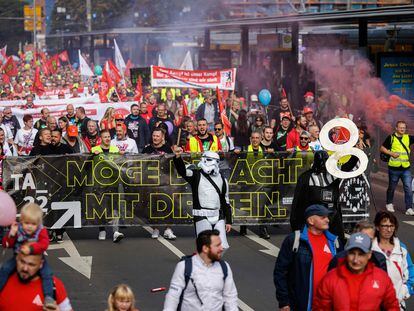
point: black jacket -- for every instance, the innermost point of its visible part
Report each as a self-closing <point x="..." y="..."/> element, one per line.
<point x="138" y="130"/>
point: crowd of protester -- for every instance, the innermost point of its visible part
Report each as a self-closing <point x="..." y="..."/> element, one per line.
<point x="162" y="118"/>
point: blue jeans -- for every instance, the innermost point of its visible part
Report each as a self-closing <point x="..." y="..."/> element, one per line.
<point x="45" y="273"/>
<point x="393" y="178"/>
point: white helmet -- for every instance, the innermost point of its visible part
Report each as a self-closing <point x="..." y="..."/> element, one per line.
<point x="209" y="163"/>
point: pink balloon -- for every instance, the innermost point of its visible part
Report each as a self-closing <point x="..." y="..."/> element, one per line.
<point x="7" y="210"/>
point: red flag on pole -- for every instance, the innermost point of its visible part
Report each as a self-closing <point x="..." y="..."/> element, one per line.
<point x="114" y="72"/>
<point x="64" y="57"/>
<point x="38" y="87"/>
<point x="10" y="67"/>
<point x="185" y="108"/>
<point x="53" y="63"/>
<point x="127" y="73"/>
<point x="138" y="89"/>
<point x="222" y="111"/>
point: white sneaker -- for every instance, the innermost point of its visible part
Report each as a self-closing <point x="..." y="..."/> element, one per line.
<point x="390" y="207"/>
<point x="169" y="234"/>
<point x="155" y="234"/>
<point x="118" y="236"/>
<point x="102" y="235"/>
<point x="409" y="212"/>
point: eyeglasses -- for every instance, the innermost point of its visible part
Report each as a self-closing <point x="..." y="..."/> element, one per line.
<point x="304" y="138"/>
<point x="217" y="129"/>
<point x="259" y="120"/>
<point x="387" y="226"/>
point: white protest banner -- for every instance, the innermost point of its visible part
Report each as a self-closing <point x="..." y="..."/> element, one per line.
<point x="93" y="111"/>
<point x="224" y="79"/>
<point x="40" y="103"/>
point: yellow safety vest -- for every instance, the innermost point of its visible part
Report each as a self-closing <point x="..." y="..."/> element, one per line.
<point x="404" y="159"/>
<point x="112" y="149"/>
<point x="196" y="145"/>
<point x="251" y="157"/>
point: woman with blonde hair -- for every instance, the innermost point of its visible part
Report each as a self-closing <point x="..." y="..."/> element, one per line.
<point x="108" y="120"/>
<point x="121" y="298"/>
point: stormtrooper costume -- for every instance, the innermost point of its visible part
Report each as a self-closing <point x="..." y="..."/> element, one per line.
<point x="211" y="204"/>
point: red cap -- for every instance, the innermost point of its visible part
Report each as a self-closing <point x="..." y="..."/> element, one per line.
<point x="195" y="92"/>
<point x="118" y="116"/>
<point x="307" y="110"/>
<point x="72" y="131"/>
<point x="308" y="94"/>
<point x="285" y="115"/>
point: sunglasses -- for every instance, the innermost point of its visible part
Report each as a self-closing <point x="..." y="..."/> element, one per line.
<point x="304" y="138"/>
<point x="217" y="129"/>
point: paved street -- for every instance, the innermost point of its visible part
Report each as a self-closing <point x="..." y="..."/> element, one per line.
<point x="144" y="263"/>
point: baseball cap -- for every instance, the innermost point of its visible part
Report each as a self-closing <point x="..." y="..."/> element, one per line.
<point x="307" y="110"/>
<point x="316" y="209"/>
<point x="254" y="98"/>
<point x="286" y="115"/>
<point x="72" y="131"/>
<point x="359" y="240"/>
<point x="118" y="116"/>
<point x="309" y="94"/>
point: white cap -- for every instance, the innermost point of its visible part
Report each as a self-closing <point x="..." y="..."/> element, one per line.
<point x="253" y="98"/>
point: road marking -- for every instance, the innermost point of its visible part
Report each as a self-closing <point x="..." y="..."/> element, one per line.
<point x="409" y="222"/>
<point x="82" y="264"/>
<point x="242" y="305"/>
<point x="271" y="249"/>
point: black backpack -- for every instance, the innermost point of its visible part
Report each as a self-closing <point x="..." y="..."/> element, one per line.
<point x="188" y="269"/>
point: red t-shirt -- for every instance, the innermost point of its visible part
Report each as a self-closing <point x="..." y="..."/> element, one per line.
<point x="321" y="257"/>
<point x="17" y="296"/>
<point x="292" y="139"/>
<point x="354" y="282"/>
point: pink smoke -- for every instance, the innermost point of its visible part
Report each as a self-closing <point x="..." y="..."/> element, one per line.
<point x="356" y="81"/>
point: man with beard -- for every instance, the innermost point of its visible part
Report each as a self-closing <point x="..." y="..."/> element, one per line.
<point x="162" y="116"/>
<point x="293" y="137"/>
<point x="281" y="132"/>
<point x="23" y="290"/>
<point x="137" y="128"/>
<point x="317" y="186"/>
<point x="203" y="141"/>
<point x="10" y="121"/>
<point x="123" y="142"/>
<point x="282" y="110"/>
<point x="106" y="147"/>
<point x="41" y="123"/>
<point x="203" y="281"/>
<point x="91" y="138"/>
<point x="56" y="145"/>
<point x="82" y="121"/>
<point x="74" y="142"/>
<point x="158" y="146"/>
<point x="70" y="114"/>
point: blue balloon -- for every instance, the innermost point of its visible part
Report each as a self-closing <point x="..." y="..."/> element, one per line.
<point x="75" y="65"/>
<point x="98" y="70"/>
<point x="265" y="97"/>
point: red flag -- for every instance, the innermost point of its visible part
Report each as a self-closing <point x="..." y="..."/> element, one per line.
<point x="103" y="92"/>
<point x="38" y="87"/>
<point x="138" y="89"/>
<point x="6" y="79"/>
<point x="10" y="67"/>
<point x="127" y="73"/>
<point x="185" y="108"/>
<point x="283" y="93"/>
<point x="64" y="57"/>
<point x="53" y="63"/>
<point x="222" y="111"/>
<point x="3" y="51"/>
<point x="106" y="76"/>
<point x="114" y="72"/>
